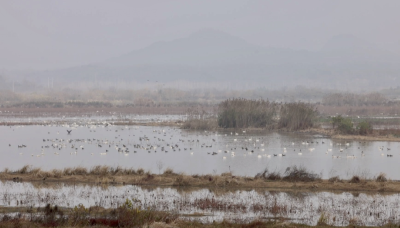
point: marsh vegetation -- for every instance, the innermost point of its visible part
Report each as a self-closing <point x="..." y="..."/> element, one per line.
<point x="69" y="205"/>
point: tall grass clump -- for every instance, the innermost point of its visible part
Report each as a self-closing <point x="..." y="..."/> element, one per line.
<point x="24" y="170"/>
<point x="297" y="116"/>
<point x="300" y="173"/>
<point x="244" y="113"/>
<point x="381" y="178"/>
<point x="291" y="174"/>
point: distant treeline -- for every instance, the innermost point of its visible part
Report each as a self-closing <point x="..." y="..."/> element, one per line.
<point x="352" y="99"/>
<point x="159" y="96"/>
<point x="150" y="96"/>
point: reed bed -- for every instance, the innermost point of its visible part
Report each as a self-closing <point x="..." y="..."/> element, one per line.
<point x="297" y="116"/>
<point x="244" y="113"/>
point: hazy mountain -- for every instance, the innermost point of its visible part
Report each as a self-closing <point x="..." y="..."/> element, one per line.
<point x="214" y="57"/>
<point x="347" y="48"/>
<point x="206" y="48"/>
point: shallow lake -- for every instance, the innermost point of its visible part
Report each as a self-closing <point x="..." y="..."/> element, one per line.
<point x="237" y="205"/>
<point x="191" y="152"/>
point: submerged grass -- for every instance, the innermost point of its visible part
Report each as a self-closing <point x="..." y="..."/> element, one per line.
<point x="126" y="215"/>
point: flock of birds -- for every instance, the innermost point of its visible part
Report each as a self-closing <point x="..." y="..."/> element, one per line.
<point x="165" y="140"/>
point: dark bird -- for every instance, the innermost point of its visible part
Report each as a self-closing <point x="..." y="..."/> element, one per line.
<point x="69" y="131"/>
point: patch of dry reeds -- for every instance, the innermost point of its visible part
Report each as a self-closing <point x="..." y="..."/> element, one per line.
<point x="300" y="173"/>
<point x="75" y="171"/>
<point x="381" y="178"/>
<point x="100" y="170"/>
<point x="292" y="174"/>
<point x="334" y="179"/>
<point x="25" y="169"/>
<point x="355" y="179"/>
<point x="297" y="116"/>
<point x="244" y="113"/>
<point x="169" y="171"/>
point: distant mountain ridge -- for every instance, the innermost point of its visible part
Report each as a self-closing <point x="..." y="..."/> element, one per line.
<point x="214" y="56"/>
<point x="206" y="47"/>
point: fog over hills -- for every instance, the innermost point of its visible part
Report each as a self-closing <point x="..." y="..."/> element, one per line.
<point x="217" y="59"/>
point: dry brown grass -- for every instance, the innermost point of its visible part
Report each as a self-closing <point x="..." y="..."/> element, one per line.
<point x="100" y="170"/>
<point x="120" y="176"/>
<point x="182" y="180"/>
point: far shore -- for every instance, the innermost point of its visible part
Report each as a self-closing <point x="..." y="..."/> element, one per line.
<point x="328" y="133"/>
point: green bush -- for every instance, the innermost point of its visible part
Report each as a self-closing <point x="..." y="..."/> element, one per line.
<point x="343" y="125"/>
<point x="336" y="120"/>
<point x="364" y="128"/>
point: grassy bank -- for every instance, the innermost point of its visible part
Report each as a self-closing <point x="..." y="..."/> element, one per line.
<point x="293" y="178"/>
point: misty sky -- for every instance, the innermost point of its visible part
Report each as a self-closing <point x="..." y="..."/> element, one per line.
<point x="48" y="34"/>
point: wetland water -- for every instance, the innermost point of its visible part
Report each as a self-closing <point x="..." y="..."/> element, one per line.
<point x="243" y="153"/>
<point x="240" y="205"/>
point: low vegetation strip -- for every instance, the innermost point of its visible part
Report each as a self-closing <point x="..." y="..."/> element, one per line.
<point x="294" y="177"/>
